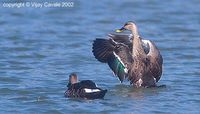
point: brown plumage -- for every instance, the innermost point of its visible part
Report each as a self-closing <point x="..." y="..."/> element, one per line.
<point x="137" y="60"/>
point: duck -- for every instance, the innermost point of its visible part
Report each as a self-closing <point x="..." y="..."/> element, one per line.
<point x="130" y="56"/>
<point x="85" y="89"/>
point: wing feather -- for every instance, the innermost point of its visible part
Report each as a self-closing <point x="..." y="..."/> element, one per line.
<point x="122" y="38"/>
<point x="102" y="49"/>
<point x="117" y="56"/>
<point x="156" y="61"/>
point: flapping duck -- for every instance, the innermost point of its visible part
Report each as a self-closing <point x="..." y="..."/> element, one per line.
<point x="130" y="57"/>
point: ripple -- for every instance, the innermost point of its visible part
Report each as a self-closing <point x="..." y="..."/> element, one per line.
<point x="9" y="80"/>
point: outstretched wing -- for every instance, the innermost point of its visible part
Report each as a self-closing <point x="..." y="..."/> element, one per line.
<point x="115" y="54"/>
<point x="122" y="38"/>
<point x="156" y="61"/>
<point x="102" y="49"/>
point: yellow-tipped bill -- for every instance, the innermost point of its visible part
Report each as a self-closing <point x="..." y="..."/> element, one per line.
<point x="118" y="30"/>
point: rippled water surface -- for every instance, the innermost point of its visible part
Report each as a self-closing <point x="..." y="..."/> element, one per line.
<point x="40" y="47"/>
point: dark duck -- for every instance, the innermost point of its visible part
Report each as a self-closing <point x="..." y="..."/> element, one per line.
<point x="86" y="89"/>
<point x="130" y="57"/>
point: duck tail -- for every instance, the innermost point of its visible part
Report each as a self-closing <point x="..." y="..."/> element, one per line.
<point x="102" y="49"/>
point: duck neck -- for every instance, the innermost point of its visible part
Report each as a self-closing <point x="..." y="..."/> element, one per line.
<point x="73" y="79"/>
<point x="137" y="43"/>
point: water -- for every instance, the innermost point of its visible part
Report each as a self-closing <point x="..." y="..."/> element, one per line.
<point x="41" y="47"/>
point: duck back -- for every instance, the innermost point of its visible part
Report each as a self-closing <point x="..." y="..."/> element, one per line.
<point x="85" y="89"/>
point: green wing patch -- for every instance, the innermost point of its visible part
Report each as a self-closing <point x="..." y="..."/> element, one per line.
<point x="117" y="67"/>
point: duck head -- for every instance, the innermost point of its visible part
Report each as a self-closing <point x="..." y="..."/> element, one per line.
<point x="73" y="78"/>
<point x="127" y="26"/>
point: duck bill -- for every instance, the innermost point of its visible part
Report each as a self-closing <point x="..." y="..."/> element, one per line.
<point x="120" y="30"/>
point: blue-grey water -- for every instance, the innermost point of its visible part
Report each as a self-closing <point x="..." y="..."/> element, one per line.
<point x="40" y="47"/>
